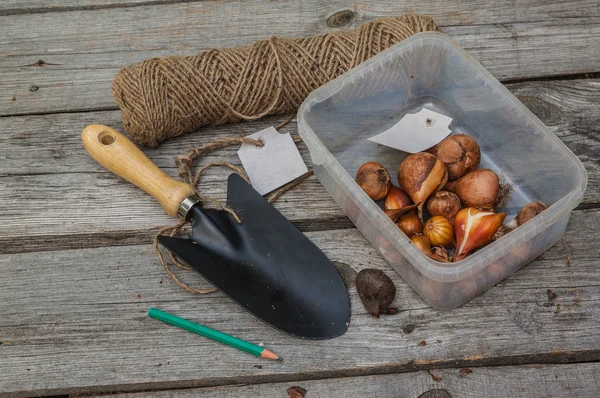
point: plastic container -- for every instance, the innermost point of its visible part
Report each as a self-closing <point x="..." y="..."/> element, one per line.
<point x="430" y="70"/>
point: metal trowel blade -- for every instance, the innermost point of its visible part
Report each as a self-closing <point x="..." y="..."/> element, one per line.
<point x="266" y="265"/>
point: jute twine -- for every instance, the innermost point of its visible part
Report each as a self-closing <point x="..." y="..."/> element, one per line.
<point x="185" y="166"/>
<point x="166" y="97"/>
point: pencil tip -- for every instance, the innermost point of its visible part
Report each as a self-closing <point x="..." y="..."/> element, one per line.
<point x="280" y="359"/>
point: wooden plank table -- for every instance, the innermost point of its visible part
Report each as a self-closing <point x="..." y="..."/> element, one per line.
<point x="78" y="272"/>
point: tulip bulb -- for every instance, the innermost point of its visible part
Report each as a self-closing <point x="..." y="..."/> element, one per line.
<point x="475" y="228"/>
<point x="444" y="203"/>
<point x="374" y="179"/>
<point x="420" y="175"/>
<point x="411" y="224"/>
<point x="439" y="231"/>
<point x="477" y="189"/>
<point x="395" y="214"/>
<point x="527" y="213"/>
<point x="396" y="199"/>
<point x="460" y="153"/>
<point x="425" y="246"/>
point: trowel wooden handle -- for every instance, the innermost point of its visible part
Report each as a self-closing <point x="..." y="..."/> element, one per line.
<point x="116" y="153"/>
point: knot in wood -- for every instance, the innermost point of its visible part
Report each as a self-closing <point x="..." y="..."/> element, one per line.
<point x="408" y="328"/>
<point x="548" y="113"/>
<point x="340" y="18"/>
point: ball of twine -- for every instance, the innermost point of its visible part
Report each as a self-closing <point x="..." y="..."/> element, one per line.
<point x="161" y="98"/>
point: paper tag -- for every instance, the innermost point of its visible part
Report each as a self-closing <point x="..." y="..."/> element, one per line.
<point x="274" y="164"/>
<point x="416" y="132"/>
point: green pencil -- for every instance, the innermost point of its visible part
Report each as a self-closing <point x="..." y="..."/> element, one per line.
<point x="212" y="334"/>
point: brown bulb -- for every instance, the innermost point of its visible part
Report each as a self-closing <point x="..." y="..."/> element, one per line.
<point x="445" y="204"/>
<point x="425" y="246"/>
<point x="375" y="289"/>
<point x="410" y="224"/>
<point x="529" y="211"/>
<point x="396" y="199"/>
<point x="460" y="153"/>
<point x="420" y="175"/>
<point x="374" y="179"/>
<point x="477" y="189"/>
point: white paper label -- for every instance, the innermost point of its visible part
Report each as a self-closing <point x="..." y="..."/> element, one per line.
<point x="274" y="164"/>
<point x="416" y="132"/>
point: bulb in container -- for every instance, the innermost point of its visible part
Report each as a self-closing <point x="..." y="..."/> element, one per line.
<point x="477" y="189"/>
<point x="460" y="153"/>
<point x="475" y="228"/>
<point x="374" y="179"/>
<point x="396" y="199"/>
<point x="439" y="231"/>
<point x="420" y="175"/>
<point x="445" y="204"/>
<point x="410" y="224"/>
<point x="527" y="213"/>
<point x="424" y="245"/>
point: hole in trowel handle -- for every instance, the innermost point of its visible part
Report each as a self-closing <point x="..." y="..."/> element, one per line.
<point x="106" y="138"/>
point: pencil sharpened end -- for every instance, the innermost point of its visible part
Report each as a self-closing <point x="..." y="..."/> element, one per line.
<point x="280" y="359"/>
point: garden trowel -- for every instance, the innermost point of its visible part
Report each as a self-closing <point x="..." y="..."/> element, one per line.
<point x="264" y="263"/>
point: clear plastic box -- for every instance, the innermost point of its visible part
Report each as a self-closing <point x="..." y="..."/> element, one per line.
<point x="430" y="70"/>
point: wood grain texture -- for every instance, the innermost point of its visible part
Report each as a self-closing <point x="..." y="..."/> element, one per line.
<point x="475" y="12"/>
<point x="548" y="381"/>
<point x="42" y="159"/>
<point x="75" y="321"/>
<point x="81" y="56"/>
<point x="18" y="7"/>
<point x="110" y="209"/>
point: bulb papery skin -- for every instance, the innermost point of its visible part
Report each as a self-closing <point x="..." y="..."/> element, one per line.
<point x="460" y="153"/>
<point x="439" y="231"/>
<point x="374" y="179"/>
<point x="529" y="211"/>
<point x="479" y="189"/>
<point x="425" y="246"/>
<point x="420" y="175"/>
<point x="475" y="228"/>
<point x="444" y="203"/>
<point x="410" y="224"/>
<point x="396" y="199"/>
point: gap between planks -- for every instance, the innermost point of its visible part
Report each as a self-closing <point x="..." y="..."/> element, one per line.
<point x="92" y="7"/>
<point x="550" y="358"/>
<point x="506" y="82"/>
<point x="543" y="380"/>
<point x="504" y="39"/>
<point x="62" y="325"/>
<point x="567" y="107"/>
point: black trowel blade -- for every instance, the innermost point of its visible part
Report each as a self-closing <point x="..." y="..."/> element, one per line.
<point x="266" y="265"/>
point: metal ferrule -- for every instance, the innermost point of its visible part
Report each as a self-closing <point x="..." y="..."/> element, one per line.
<point x="186" y="206"/>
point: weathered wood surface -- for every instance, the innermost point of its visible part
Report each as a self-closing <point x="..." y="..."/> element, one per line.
<point x="81" y="315"/>
<point x="81" y="50"/>
<point x="42" y="158"/>
<point x="74" y="320"/>
<point x="477" y="12"/>
<point x="548" y="381"/>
